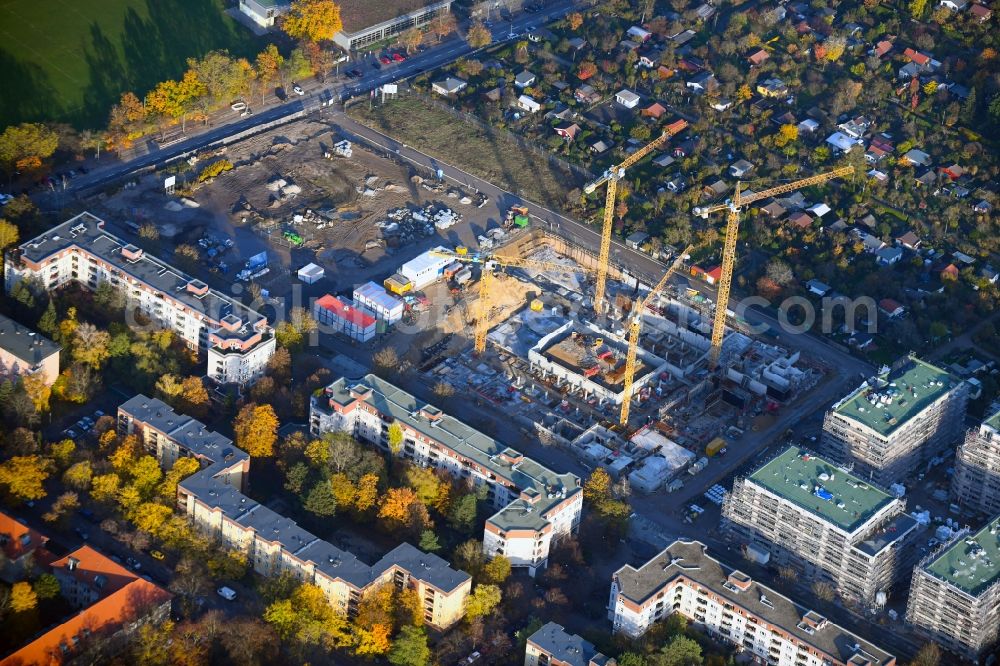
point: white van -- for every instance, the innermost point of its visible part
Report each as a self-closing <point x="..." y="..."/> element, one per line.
<point x="227" y="593"/>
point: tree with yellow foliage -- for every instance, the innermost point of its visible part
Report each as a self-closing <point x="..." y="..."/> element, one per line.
<point x="22" y="597"/>
<point x="312" y="20"/>
<point x="24" y="477"/>
<point x="787" y="133"/>
<point x="343" y="490"/>
<point x="37" y="390"/>
<point x="395" y="437"/>
<point x="307" y="617"/>
<point x="104" y="487"/>
<point x="256" y="429"/>
<point x="367" y="493"/>
<point x="483" y="601"/>
<point x="24" y="146"/>
<point x="373" y="642"/>
<point x="478" y="35"/>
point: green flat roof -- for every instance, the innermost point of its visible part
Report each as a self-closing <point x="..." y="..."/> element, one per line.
<point x="798" y="476"/>
<point x="973" y="562"/>
<point x="899" y="396"/>
<point x="994" y="421"/>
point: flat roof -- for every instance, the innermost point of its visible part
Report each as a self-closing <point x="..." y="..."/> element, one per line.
<point x="690" y="560"/>
<point x="359" y="15"/>
<point x="377" y="294"/>
<point x="86" y="232"/>
<point x="897" y="396"/>
<point x="972" y="562"/>
<point x="994" y="422"/>
<point x="821" y="488"/>
<point x="24" y="343"/>
<point x="550" y="487"/>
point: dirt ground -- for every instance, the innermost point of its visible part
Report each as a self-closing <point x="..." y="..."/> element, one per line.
<point x="239" y="204"/>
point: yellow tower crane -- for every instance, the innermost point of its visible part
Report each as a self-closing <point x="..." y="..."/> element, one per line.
<point x="635" y="327"/>
<point x="735" y="208"/>
<point x="611" y="177"/>
<point x="488" y="263"/>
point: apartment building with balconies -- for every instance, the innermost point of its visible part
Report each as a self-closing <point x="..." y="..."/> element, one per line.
<point x="214" y="500"/>
<point x="829" y="525"/>
<point x="25" y="352"/>
<point x="554" y="646"/>
<point x="236" y="340"/>
<point x="731" y="607"/>
<point x="896" y="422"/>
<point x="955" y="593"/>
<point x="536" y="507"/>
<point x="975" y="486"/>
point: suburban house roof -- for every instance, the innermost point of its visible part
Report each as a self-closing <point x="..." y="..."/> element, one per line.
<point x="916" y="56"/>
<point x="758" y="57"/>
<point x="450" y="84"/>
<point x="627" y="96"/>
<point x="908" y="239"/>
<point x="882" y="48"/>
<point x="890" y="306"/>
<point x="981" y="12"/>
<point x="654" y="110"/>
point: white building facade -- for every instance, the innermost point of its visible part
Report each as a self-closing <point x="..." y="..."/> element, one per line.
<point x="536" y="507"/>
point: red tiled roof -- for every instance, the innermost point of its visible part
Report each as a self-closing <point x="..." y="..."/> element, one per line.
<point x="128" y="598"/>
<point x="889" y="305"/>
<point x="715" y="273"/>
<point x="759" y="57"/>
<point x="346" y="312"/>
<point x="12" y="531"/>
<point x="655" y="110"/>
<point x="916" y="56"/>
<point x="883" y="47"/>
<point x="982" y="12"/>
<point x="801" y="220"/>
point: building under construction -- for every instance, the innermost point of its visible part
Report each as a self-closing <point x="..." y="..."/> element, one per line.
<point x="590" y="360"/>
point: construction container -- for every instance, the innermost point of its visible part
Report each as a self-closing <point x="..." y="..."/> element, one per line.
<point x="397" y="284"/>
<point x="521" y="221"/>
<point x="451" y="269"/>
<point x="463" y="275"/>
<point x="713" y="447"/>
<point x="537" y="305"/>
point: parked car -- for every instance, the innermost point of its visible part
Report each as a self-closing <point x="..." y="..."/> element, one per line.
<point x="398" y="57"/>
<point x="384" y="59"/>
<point x="70" y="433"/>
<point x="297" y="89"/>
<point x="98" y="414"/>
<point x="376" y="65"/>
<point x="238" y="106"/>
<point x="227" y="593"/>
<point x="133" y="563"/>
<point x="157" y="554"/>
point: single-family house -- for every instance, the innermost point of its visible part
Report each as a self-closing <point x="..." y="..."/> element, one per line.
<point x="740" y="168"/>
<point x="528" y="103"/>
<point x="683" y="37"/>
<point x="654" y="110"/>
<point x="449" y="86"/>
<point x="855" y="128"/>
<point x="664" y="160"/>
<point x="586" y="94"/>
<point x="888" y="256"/>
<point x="819" y="210"/>
<point x="649" y="58"/>
<point x="989" y="274"/>
<point x="758" y="58"/>
<point x="910" y="70"/>
<point x="954" y="171"/>
<point x="525" y="79"/>
<point x="838" y="226"/>
<point x="773" y="210"/>
<point x="540" y="35"/>
<point x="684" y="148"/>
<point x="841" y="142"/>
<point x="704" y="11"/>
<point x="627" y="98"/>
<point x="818" y="288"/>
<point x="875" y="154"/>
<point x="577" y="43"/>
<point x="892" y="308"/>
<point x="954" y="5"/>
<point x="982" y="13"/>
<point x="882" y="48"/>
<point x="711" y="276"/>
<point x="916" y="57"/>
<point x="722" y="104"/>
<point x="664" y="72"/>
<point x="677" y="184"/>
<point x="808" y="126"/>
<point x="963" y="258"/>
<point x="600" y="146"/>
<point x="916" y="157"/>
<point x="908" y="240"/>
<point x="636" y="239"/>
<point x="800" y="220"/>
<point x="871" y="243"/>
<point x="773" y="87"/>
<point x="716" y="189"/>
<point x="639" y="34"/>
<point x="861" y="339"/>
<point x="982" y="207"/>
<point x="880" y="176"/>
<point x="568" y="132"/>
<point x="950" y="272"/>
<point x="702" y="82"/>
<point x="927" y="178"/>
<point x="494" y="95"/>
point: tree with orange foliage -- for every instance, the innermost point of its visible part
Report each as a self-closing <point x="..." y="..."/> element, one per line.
<point x="575" y="20"/>
<point x="396" y="506"/>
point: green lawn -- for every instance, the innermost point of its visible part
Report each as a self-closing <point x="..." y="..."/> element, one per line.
<point x="70" y="60"/>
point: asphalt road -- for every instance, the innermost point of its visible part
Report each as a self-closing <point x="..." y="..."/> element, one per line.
<point x="229" y="124"/>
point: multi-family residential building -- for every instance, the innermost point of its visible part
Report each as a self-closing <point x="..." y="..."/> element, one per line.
<point x="237" y="341"/>
<point x="955" y="593"/>
<point x="24" y="352"/>
<point x="976" y="482"/>
<point x="536" y="506"/>
<point x="212" y="497"/>
<point x="732" y="607"/>
<point x="828" y="524"/>
<point x="113" y="603"/>
<point x="896" y="422"/>
<point x="18" y="543"/>
<point x="553" y="646"/>
<point x="366" y="22"/>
